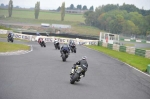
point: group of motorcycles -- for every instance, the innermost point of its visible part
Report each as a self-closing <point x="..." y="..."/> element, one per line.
<point x="64" y="52"/>
<point x="75" y="77"/>
<point x="79" y="69"/>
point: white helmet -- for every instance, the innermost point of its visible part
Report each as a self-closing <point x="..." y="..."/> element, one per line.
<point x="84" y="57"/>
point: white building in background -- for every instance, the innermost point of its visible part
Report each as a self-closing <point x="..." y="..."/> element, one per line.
<point x="109" y="38"/>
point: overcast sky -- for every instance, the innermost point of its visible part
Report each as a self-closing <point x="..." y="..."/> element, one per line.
<point x="54" y="4"/>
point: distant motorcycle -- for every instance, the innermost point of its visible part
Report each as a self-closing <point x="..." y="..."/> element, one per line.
<point x="41" y="42"/>
<point x="64" y="55"/>
<point x="76" y="76"/>
<point x="57" y="46"/>
<point x="10" y="38"/>
<point x="73" y="48"/>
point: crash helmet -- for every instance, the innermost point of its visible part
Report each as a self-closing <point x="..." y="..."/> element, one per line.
<point x="84" y="58"/>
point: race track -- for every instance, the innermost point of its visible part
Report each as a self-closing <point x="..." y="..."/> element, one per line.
<point x="41" y="74"/>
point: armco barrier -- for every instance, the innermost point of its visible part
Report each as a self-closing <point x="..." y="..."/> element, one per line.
<point x="69" y="35"/>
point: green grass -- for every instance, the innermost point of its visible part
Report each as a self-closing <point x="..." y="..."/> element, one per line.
<point x="27" y="16"/>
<point x="8" y="47"/>
<point x="133" y="60"/>
<point x="44" y="15"/>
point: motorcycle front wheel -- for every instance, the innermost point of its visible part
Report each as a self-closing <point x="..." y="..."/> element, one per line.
<point x="74" y="78"/>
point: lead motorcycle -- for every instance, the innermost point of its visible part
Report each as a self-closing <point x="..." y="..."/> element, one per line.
<point x="56" y="44"/>
<point x="76" y="76"/>
<point x="64" y="55"/>
<point x="41" y="42"/>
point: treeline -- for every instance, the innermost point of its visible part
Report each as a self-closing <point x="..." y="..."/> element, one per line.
<point x="6" y="6"/>
<point x="78" y="7"/>
<point x="126" y="19"/>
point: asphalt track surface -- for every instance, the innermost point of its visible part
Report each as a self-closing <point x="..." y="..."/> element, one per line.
<point x="41" y="74"/>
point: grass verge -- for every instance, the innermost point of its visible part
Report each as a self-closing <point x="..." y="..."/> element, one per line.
<point x="133" y="60"/>
<point x="9" y="47"/>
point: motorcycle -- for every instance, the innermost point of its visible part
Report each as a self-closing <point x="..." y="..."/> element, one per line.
<point x="57" y="46"/>
<point x="42" y="43"/>
<point x="73" y="48"/>
<point x="64" y="55"/>
<point x="10" y="38"/>
<point x="76" y="76"/>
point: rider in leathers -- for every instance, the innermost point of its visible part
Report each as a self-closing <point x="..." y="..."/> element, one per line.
<point x="66" y="47"/>
<point x="80" y="63"/>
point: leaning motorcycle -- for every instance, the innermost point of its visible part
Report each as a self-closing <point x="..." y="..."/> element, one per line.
<point x="64" y="55"/>
<point x="41" y="42"/>
<point x="57" y="46"/>
<point x="76" y="76"/>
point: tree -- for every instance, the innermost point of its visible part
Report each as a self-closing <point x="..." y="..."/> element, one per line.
<point x="129" y="8"/>
<point x="63" y="11"/>
<point x="71" y="6"/>
<point x="2" y="5"/>
<point x="10" y="7"/>
<point x="37" y="10"/>
<point x="58" y="9"/>
<point x="84" y="7"/>
<point x="91" y="8"/>
<point x="79" y="7"/>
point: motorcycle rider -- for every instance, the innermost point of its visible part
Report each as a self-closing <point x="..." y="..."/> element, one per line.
<point x="40" y="40"/>
<point x="66" y="47"/>
<point x="80" y="63"/>
<point x="10" y="34"/>
<point x="55" y="41"/>
<point x="71" y="42"/>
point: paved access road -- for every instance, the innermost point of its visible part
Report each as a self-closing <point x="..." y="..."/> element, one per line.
<point x="41" y="74"/>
